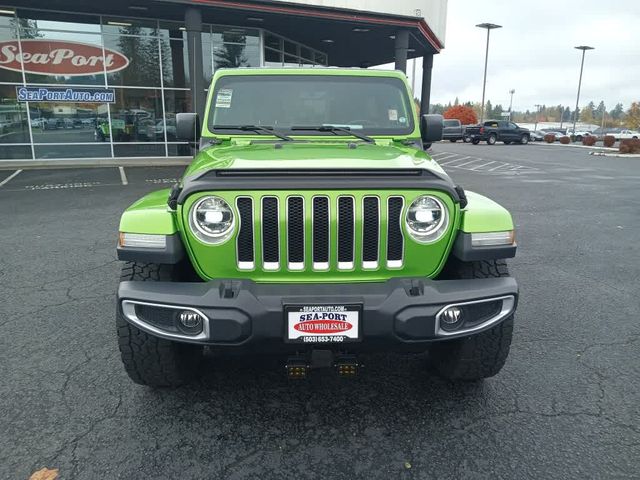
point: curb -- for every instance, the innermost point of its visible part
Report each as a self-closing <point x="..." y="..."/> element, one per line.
<point x="544" y="144"/>
<point x="617" y="155"/>
<point x="96" y="162"/>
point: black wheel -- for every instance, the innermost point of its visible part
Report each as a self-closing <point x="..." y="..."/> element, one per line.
<point x="524" y="139"/>
<point x="149" y="360"/>
<point x="492" y="139"/>
<point x="507" y="142"/>
<point x="481" y="355"/>
<point x="475" y="141"/>
<point x="453" y="140"/>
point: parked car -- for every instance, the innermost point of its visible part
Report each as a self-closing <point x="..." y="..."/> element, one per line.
<point x="158" y="130"/>
<point x="555" y="134"/>
<point x="72" y="123"/>
<point x="38" y="122"/>
<point x="309" y="245"/>
<point x="52" y="124"/>
<point x="536" y="136"/>
<point x="493" y="131"/>
<point x="453" y="130"/>
<point x="578" y="135"/>
<point x="624" y="134"/>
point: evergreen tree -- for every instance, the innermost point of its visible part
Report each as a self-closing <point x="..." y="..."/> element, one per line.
<point x="617" y="112"/>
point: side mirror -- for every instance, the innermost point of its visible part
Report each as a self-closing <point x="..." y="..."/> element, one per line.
<point x="431" y="128"/>
<point x="188" y="127"/>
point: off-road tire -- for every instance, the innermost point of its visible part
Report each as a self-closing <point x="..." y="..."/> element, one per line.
<point x="149" y="360"/>
<point x="492" y="139"/>
<point x="481" y="355"/>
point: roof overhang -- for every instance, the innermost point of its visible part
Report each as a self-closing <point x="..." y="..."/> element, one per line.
<point x="358" y="38"/>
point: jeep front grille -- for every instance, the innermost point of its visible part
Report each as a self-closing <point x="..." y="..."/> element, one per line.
<point x="298" y="233"/>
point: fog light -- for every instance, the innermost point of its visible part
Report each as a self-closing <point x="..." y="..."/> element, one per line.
<point x="190" y="319"/>
<point x="190" y="322"/>
<point x="451" y="318"/>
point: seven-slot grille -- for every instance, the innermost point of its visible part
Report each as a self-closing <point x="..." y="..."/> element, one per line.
<point x="298" y="233"/>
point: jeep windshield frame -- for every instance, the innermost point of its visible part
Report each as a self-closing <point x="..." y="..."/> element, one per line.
<point x="359" y="104"/>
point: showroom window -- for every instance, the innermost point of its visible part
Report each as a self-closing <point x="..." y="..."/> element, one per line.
<point x="139" y="65"/>
<point x="279" y="51"/>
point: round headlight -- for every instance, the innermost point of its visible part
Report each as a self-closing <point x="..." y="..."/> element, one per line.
<point x="211" y="220"/>
<point x="427" y="219"/>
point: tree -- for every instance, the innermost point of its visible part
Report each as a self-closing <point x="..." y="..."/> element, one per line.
<point x="436" y="108"/>
<point x="586" y="114"/>
<point x="231" y="53"/>
<point x="466" y="115"/>
<point x="617" y="112"/>
<point x="488" y="109"/>
<point x="632" y="119"/>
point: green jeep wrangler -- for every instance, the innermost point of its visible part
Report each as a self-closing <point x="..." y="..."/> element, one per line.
<point x="313" y="224"/>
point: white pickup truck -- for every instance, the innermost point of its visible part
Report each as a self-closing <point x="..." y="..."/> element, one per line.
<point x="623" y="134"/>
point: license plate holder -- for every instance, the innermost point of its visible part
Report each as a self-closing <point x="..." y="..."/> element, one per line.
<point x="317" y="324"/>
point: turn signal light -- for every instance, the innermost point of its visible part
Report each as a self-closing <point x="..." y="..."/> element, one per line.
<point x="142" y="240"/>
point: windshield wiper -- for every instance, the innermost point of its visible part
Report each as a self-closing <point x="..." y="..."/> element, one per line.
<point x="255" y="128"/>
<point x="336" y="130"/>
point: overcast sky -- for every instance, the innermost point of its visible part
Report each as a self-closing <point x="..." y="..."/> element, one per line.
<point x="533" y="53"/>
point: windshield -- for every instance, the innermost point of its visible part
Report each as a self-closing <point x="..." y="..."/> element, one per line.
<point x="367" y="105"/>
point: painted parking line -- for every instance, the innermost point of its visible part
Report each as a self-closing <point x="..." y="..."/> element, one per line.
<point x="162" y="180"/>
<point x="436" y="155"/>
<point x="62" y="186"/>
<point x="10" y="177"/>
<point x="478" y="167"/>
<point x="454" y="160"/>
<point x="498" y="167"/>
<point x="482" y="165"/>
<point x="123" y="176"/>
<point x="450" y="155"/>
<point x="460" y="165"/>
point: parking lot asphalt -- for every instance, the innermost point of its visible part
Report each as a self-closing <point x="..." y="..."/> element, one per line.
<point x="566" y="405"/>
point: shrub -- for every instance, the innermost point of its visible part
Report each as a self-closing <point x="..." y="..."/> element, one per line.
<point x="609" y="140"/>
<point x="565" y="140"/>
<point x="465" y="114"/>
<point x="549" y="138"/>
<point x="589" y="140"/>
<point x="630" y="145"/>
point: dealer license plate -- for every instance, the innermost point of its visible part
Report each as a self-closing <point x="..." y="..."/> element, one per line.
<point x="317" y="324"/>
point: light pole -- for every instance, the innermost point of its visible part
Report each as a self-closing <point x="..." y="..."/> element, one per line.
<point x="538" y="107"/>
<point x="512" y="91"/>
<point x="584" y="48"/>
<point x="489" y="27"/>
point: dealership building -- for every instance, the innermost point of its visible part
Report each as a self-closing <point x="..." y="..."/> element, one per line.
<point x="104" y="80"/>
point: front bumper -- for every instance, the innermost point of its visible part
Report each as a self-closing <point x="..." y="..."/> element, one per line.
<point x="242" y="314"/>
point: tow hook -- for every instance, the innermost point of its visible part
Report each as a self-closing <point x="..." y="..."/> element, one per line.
<point x="347" y="366"/>
<point x="299" y="366"/>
